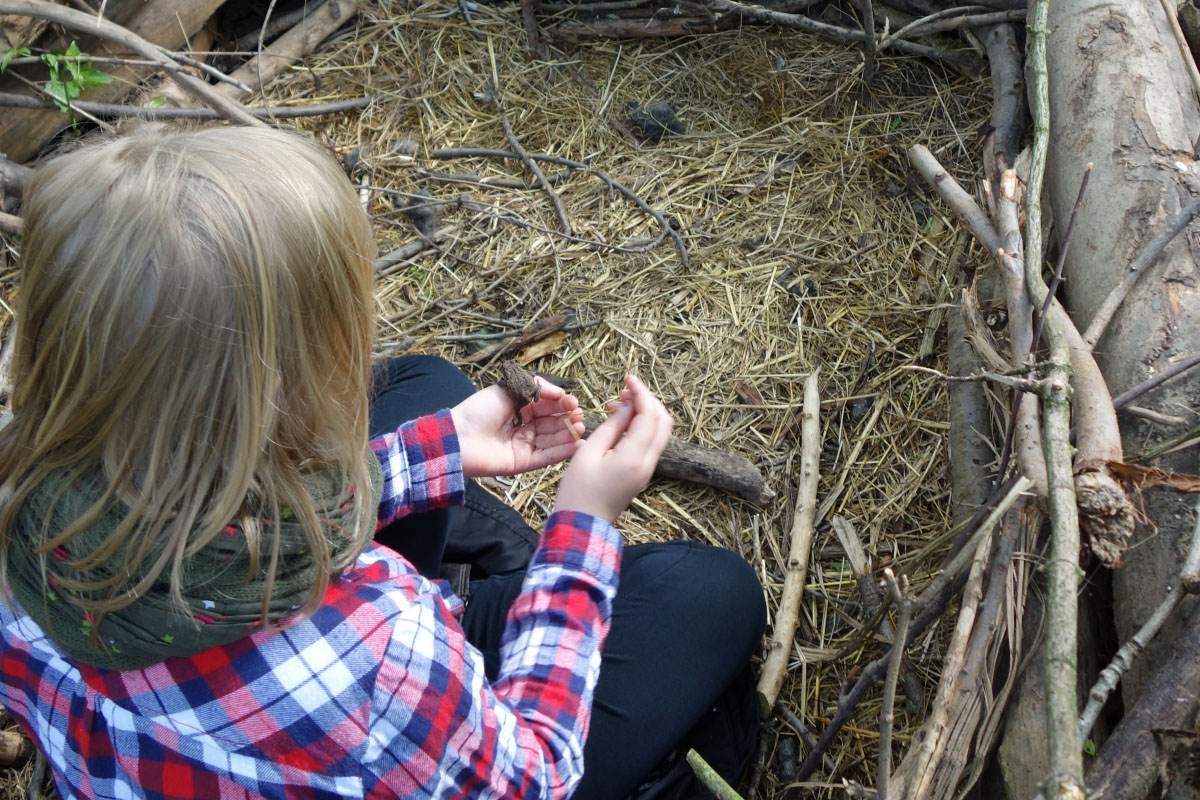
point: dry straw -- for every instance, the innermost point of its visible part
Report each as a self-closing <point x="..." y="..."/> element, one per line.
<point x="809" y="245"/>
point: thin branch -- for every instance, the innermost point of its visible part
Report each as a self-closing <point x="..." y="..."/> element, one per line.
<point x="928" y="607"/>
<point x="85" y="23"/>
<point x="961" y="203"/>
<point x="492" y="95"/>
<point x="711" y="779"/>
<point x="116" y="110"/>
<point x="1065" y="781"/>
<point x="1128" y="396"/>
<point x="1185" y="52"/>
<point x="951" y="19"/>
<point x="1190" y="574"/>
<point x="1144" y="260"/>
<point x="779" y="653"/>
<point x="667" y="229"/>
<point x="824" y="29"/>
<point x="804" y="733"/>
<point x="899" y="592"/>
<point x="1062" y="260"/>
<point x="1013" y="381"/>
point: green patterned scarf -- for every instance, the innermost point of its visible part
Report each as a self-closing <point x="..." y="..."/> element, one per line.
<point x="222" y="599"/>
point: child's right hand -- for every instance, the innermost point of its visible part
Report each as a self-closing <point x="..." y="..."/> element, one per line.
<point x="616" y="462"/>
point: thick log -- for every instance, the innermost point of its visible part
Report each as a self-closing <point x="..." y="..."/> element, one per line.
<point x="1120" y="98"/>
<point x="168" y="23"/>
<point x="694" y="463"/>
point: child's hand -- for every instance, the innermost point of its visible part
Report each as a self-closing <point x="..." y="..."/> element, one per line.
<point x="492" y="445"/>
<point x="616" y="462"/>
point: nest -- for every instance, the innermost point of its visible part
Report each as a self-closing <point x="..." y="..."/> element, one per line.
<point x="807" y="242"/>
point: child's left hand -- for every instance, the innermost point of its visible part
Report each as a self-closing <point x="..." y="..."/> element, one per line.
<point x="491" y="445"/>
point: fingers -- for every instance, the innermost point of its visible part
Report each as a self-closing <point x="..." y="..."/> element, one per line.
<point x="606" y="436"/>
<point x="651" y="426"/>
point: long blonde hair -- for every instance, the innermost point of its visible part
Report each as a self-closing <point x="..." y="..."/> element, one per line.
<point x="195" y="324"/>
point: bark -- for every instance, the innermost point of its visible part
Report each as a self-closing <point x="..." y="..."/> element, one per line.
<point x="695" y="463"/>
<point x="1138" y="752"/>
<point x="168" y="23"/>
<point x="1121" y="99"/>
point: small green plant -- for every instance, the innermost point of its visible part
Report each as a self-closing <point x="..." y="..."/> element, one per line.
<point x="70" y="73"/>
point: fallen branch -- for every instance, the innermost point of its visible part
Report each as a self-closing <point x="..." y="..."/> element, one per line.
<point x="961" y="203"/>
<point x="834" y="32"/>
<point x="872" y="600"/>
<point x="289" y="48"/>
<point x="1065" y="781"/>
<point x="804" y="733"/>
<point x="112" y="110"/>
<point x="1139" y="265"/>
<point x="780" y="650"/>
<point x="1131" y="759"/>
<point x="683" y="461"/>
<point x="929" y="606"/>
<point x="1110" y="676"/>
<point x="15" y="748"/>
<point x="899" y="592"/>
<point x="86" y="23"/>
<point x="951" y="19"/>
<point x="711" y="779"/>
<point x="492" y="95"/>
<point x="533" y="332"/>
<point x="666" y="228"/>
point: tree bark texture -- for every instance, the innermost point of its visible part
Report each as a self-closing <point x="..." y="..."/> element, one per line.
<point x="1120" y="99"/>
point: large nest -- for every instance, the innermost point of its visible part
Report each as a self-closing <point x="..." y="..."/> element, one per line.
<point x="808" y="244"/>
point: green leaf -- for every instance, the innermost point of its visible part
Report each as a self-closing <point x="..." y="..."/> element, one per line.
<point x="1089" y="747"/>
<point x="156" y="102"/>
<point x="91" y="77"/>
<point x="9" y="54"/>
<point x="72" y="51"/>
<point x="51" y="61"/>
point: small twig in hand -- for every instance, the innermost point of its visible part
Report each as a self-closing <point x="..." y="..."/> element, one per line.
<point x="1062" y="258"/>
<point x="492" y="95"/>
<point x="1144" y="260"/>
<point x="899" y="592"/>
<point x="711" y="779"/>
<point x="775" y="667"/>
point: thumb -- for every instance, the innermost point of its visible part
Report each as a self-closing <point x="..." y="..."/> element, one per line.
<point x="609" y="432"/>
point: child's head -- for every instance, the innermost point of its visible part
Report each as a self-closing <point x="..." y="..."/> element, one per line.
<point x="195" y="319"/>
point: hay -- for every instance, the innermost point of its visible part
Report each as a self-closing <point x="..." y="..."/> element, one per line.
<point x="808" y="245"/>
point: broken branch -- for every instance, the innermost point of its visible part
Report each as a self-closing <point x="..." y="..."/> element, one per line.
<point x="775" y="668"/>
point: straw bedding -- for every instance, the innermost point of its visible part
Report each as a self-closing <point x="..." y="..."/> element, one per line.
<point x="807" y="243"/>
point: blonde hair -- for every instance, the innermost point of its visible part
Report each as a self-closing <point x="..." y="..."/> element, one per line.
<point x="195" y="325"/>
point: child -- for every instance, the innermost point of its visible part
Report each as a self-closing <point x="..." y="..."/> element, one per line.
<point x="188" y="496"/>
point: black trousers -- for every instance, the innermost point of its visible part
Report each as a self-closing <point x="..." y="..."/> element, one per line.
<point x="675" y="669"/>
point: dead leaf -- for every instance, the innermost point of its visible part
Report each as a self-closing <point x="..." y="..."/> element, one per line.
<point x="1146" y="477"/>
<point x="543" y="348"/>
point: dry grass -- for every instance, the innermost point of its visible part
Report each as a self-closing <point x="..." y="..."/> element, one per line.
<point x="869" y="271"/>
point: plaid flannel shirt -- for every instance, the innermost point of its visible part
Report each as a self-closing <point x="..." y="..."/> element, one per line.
<point x="378" y="694"/>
